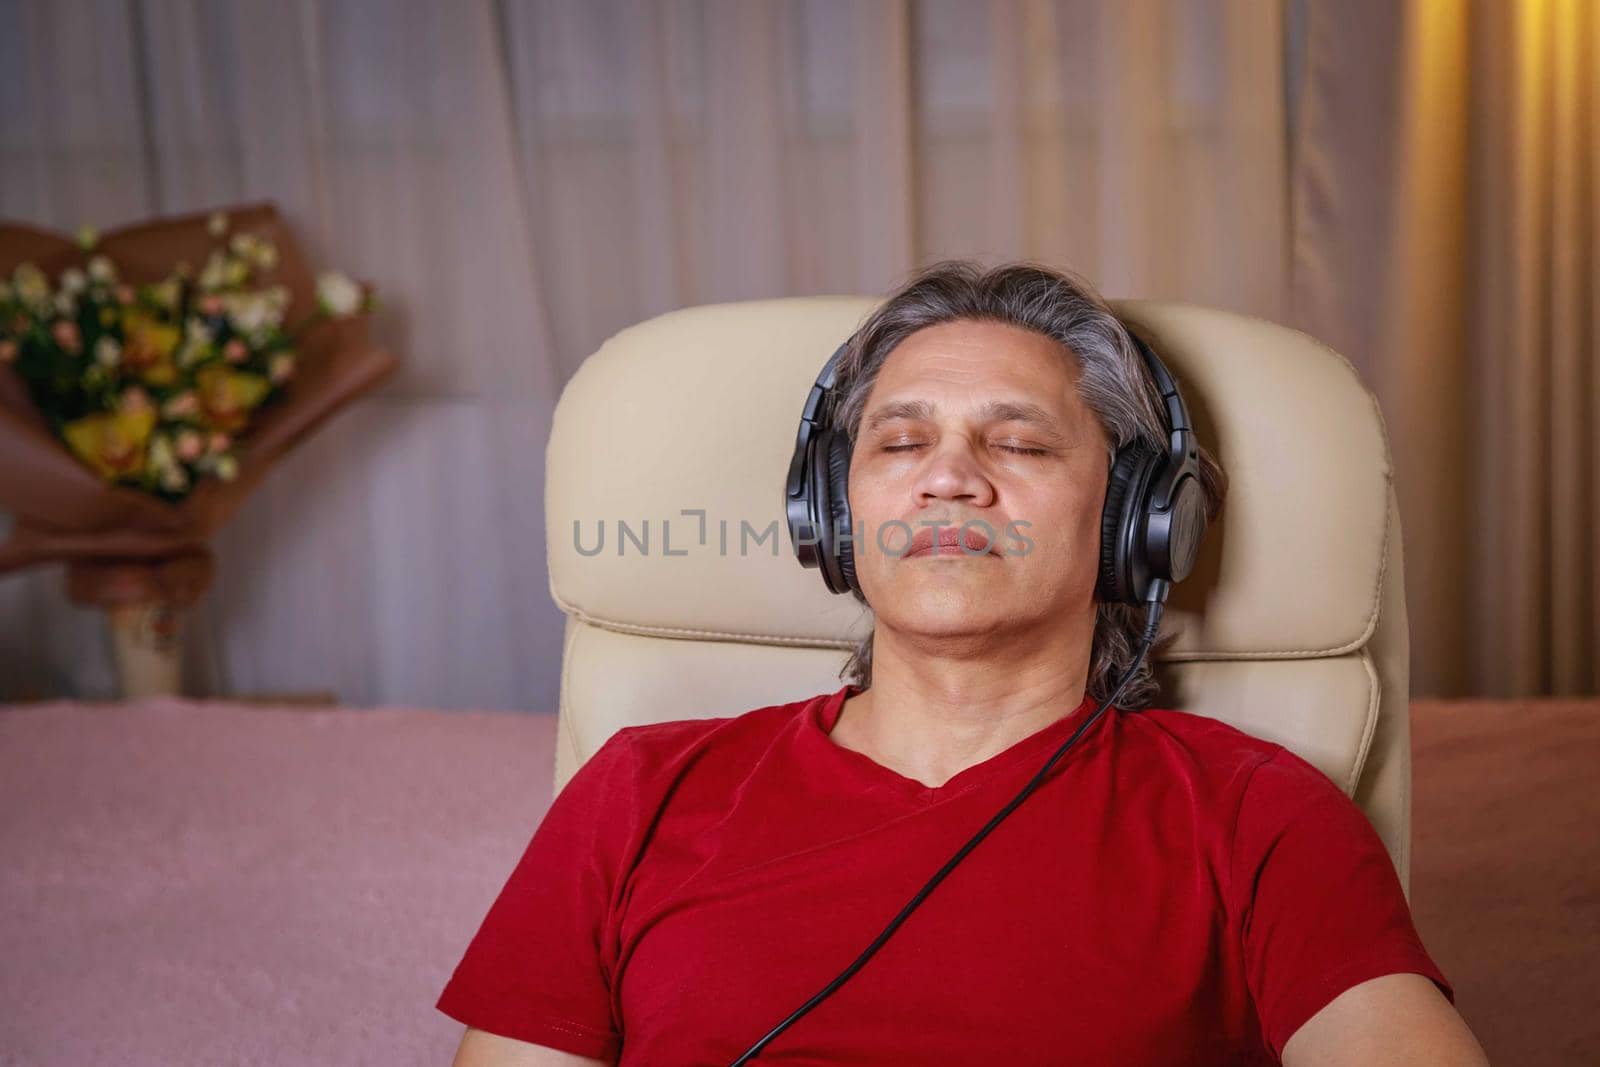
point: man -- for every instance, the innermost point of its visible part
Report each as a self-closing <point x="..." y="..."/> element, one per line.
<point x="1175" y="891"/>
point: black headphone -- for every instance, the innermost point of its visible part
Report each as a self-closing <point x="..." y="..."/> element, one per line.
<point x="1151" y="525"/>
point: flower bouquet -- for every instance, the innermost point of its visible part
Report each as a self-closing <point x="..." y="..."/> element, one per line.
<point x="149" y="379"/>
<point x="150" y="385"/>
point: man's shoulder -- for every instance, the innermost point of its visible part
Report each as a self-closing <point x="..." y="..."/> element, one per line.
<point x="657" y="743"/>
<point x="1197" y="728"/>
<point x="1222" y="748"/>
<point x="1215" y="745"/>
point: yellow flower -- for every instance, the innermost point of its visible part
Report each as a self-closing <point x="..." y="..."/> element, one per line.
<point x="113" y="443"/>
<point x="227" y="395"/>
<point x="166" y="294"/>
<point x="147" y="347"/>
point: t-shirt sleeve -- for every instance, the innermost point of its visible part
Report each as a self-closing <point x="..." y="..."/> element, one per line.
<point x="538" y="969"/>
<point x="1322" y="903"/>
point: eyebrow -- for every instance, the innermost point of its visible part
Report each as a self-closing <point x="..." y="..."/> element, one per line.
<point x="993" y="411"/>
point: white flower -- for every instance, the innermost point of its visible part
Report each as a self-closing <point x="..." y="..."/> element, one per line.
<point x="88" y="236"/>
<point x="32" y="286"/>
<point x="214" y="274"/>
<point x="196" y="332"/>
<point x="73" y="281"/>
<point x="160" y="455"/>
<point x="106" y="351"/>
<point x="101" y="269"/>
<point x="227" y="468"/>
<point x="174" y="479"/>
<point x="251" y="313"/>
<point x="217" y="224"/>
<point x="266" y="255"/>
<point x="338" y="294"/>
<point x="65" y="303"/>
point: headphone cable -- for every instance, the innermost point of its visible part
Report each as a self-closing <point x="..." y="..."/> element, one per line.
<point x="1154" y="604"/>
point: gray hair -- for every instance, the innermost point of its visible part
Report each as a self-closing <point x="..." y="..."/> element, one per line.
<point x="1113" y="381"/>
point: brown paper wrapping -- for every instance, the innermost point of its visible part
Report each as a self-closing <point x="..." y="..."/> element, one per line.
<point x="122" y="545"/>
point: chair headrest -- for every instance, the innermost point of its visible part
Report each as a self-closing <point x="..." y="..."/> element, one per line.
<point x="673" y="440"/>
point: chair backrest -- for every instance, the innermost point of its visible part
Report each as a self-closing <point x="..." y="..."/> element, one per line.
<point x="676" y="436"/>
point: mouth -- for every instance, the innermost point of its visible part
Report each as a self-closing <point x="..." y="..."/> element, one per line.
<point x="953" y="542"/>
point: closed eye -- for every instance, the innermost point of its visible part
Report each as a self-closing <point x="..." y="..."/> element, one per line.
<point x="1003" y="448"/>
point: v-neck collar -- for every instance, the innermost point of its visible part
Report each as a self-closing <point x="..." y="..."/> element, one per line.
<point x="823" y="712"/>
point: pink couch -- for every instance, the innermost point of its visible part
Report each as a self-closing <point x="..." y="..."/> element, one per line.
<point x="192" y="882"/>
<point x="206" y="883"/>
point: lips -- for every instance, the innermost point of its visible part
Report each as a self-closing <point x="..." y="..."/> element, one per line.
<point x="950" y="541"/>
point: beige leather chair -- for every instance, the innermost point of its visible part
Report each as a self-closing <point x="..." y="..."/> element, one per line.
<point x="1292" y="626"/>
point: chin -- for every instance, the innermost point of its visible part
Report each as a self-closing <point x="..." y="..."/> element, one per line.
<point x="957" y="607"/>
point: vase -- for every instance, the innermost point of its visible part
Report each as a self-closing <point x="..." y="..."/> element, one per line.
<point x="146" y="643"/>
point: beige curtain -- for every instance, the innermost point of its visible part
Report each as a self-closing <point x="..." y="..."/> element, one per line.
<point x="1446" y="237"/>
<point x="522" y="179"/>
<point x="679" y="153"/>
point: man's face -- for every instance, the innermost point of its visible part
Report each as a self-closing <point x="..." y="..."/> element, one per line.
<point x="939" y="436"/>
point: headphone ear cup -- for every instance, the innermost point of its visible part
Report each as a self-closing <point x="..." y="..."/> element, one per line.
<point x="1119" y="545"/>
<point x="1186" y="530"/>
<point x="842" y="549"/>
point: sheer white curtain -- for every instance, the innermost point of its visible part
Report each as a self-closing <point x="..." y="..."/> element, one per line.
<point x="521" y="180"/>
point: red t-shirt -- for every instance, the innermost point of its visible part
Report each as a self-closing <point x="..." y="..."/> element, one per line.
<point x="1174" y="891"/>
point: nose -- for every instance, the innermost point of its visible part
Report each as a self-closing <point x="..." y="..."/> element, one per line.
<point x="953" y="473"/>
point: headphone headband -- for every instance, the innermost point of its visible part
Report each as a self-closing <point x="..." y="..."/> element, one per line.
<point x="813" y="420"/>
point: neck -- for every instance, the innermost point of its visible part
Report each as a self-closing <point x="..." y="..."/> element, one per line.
<point x="938" y="707"/>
